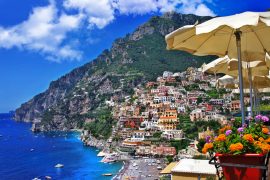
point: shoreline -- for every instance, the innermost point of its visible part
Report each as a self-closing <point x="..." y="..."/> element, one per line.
<point x="122" y="170"/>
<point x="141" y="168"/>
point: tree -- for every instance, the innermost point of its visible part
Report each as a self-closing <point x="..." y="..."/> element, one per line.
<point x="169" y="158"/>
<point x="199" y="100"/>
<point x="157" y="134"/>
<point x="200" y="144"/>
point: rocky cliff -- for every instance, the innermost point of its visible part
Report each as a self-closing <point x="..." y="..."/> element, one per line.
<point x="132" y="60"/>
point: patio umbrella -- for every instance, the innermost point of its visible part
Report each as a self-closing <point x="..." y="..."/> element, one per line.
<point x="229" y="66"/>
<point x="241" y="36"/>
<point x="259" y="82"/>
<point x="227" y="82"/>
<point x="217" y="66"/>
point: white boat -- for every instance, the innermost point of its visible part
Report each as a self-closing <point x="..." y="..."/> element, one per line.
<point x="101" y="154"/>
<point x="159" y="167"/>
<point x="107" y="174"/>
<point x="59" y="166"/>
<point x="48" y="177"/>
<point x="109" y="158"/>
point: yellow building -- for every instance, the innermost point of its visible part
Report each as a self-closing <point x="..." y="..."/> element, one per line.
<point x="168" y="120"/>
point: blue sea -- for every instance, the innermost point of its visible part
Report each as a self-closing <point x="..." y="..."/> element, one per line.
<point x="17" y="161"/>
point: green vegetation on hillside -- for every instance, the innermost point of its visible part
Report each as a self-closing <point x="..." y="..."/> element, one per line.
<point x="102" y="125"/>
<point x="191" y="129"/>
<point x="130" y="62"/>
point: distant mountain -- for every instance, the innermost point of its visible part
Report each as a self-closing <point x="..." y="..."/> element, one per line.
<point x="132" y="60"/>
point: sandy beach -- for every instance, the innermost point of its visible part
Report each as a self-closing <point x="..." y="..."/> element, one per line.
<point x="140" y="169"/>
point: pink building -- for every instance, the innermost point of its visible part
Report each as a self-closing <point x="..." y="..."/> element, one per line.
<point x="163" y="150"/>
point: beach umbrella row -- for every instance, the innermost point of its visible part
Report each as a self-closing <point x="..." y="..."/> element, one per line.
<point x="229" y="67"/>
<point x="258" y="82"/>
<point x="244" y="37"/>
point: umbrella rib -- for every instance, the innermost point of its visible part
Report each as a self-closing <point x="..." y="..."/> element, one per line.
<point x="257" y="38"/>
<point x="184" y="40"/>
<point x="229" y="42"/>
<point x="206" y="40"/>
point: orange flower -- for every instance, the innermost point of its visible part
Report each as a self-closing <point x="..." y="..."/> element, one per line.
<point x="264" y="147"/>
<point x="222" y="130"/>
<point x="206" y="147"/>
<point x="221" y="137"/>
<point x="204" y="150"/>
<point x="267" y="140"/>
<point x="257" y="143"/>
<point x="236" y="147"/>
<point x="265" y="130"/>
<point x="248" y="137"/>
<point x="261" y="139"/>
<point x="209" y="145"/>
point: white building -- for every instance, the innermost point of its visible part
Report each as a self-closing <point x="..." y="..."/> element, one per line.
<point x="139" y="135"/>
<point x="167" y="74"/>
<point x="172" y="134"/>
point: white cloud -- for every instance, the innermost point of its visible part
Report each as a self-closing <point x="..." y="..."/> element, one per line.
<point x="136" y="6"/>
<point x="100" y="13"/>
<point x="44" y="31"/>
<point x="196" y="7"/>
<point x="203" y="10"/>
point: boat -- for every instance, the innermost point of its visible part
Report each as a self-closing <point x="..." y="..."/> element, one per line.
<point x="36" y="178"/>
<point x="109" y="158"/>
<point x="48" y="177"/>
<point x="107" y="174"/>
<point x="32" y="150"/>
<point x="159" y="167"/>
<point x="101" y="154"/>
<point x="59" y="166"/>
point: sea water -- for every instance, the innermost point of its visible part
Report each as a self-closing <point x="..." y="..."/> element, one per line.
<point x="26" y="155"/>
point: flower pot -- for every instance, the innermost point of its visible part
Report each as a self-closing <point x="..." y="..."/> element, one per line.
<point x="242" y="173"/>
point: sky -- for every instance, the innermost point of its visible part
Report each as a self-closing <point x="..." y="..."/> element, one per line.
<point x="41" y="40"/>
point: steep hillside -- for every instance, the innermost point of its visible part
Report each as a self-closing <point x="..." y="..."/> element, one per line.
<point x="132" y="60"/>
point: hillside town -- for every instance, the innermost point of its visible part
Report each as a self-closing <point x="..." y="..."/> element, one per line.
<point x="166" y="119"/>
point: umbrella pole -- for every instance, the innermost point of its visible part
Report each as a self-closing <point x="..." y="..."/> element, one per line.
<point x="250" y="92"/>
<point x="217" y="86"/>
<point x="254" y="102"/>
<point x="238" y="44"/>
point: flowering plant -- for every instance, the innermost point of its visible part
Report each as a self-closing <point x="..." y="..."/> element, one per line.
<point x="252" y="138"/>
